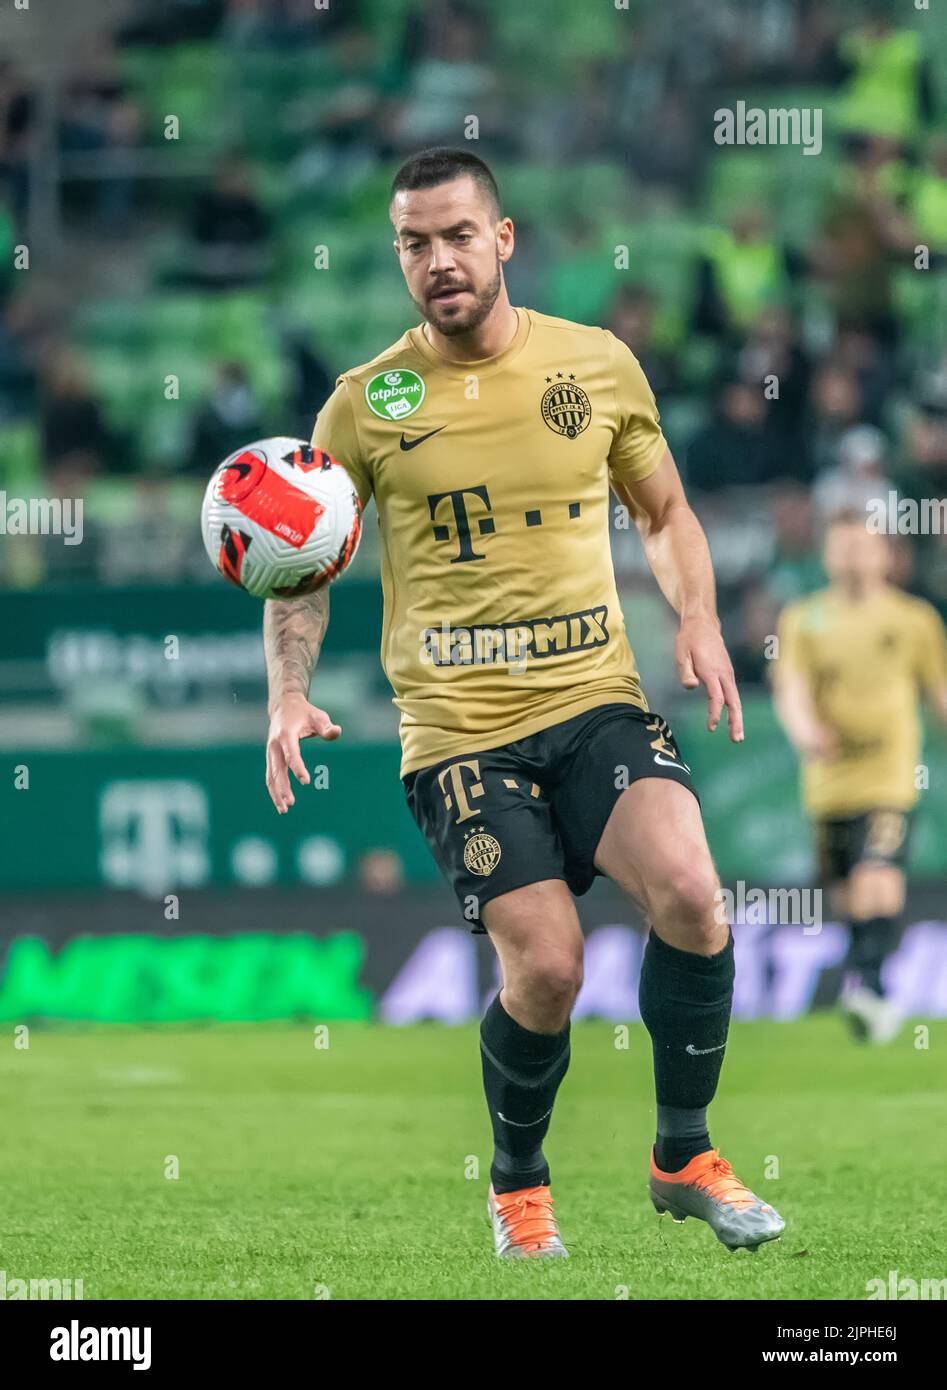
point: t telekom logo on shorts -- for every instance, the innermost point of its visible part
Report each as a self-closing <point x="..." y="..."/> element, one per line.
<point x="268" y="498"/>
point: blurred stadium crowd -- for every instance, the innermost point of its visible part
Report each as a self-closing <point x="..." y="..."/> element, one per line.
<point x="174" y="172"/>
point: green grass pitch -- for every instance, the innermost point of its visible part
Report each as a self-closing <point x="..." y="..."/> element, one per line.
<point x="350" y="1171"/>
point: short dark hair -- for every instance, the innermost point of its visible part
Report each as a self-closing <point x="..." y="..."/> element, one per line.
<point x="428" y="168"/>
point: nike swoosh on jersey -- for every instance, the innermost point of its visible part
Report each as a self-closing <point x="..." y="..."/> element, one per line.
<point x="407" y="444"/>
<point x="669" y="762"/>
<point x="700" y="1051"/>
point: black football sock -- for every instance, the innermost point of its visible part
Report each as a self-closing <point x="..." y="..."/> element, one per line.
<point x="872" y="942"/>
<point x="521" y="1075"/>
<point x="685" y="1002"/>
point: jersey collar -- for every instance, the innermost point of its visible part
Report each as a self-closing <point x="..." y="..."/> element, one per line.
<point x="483" y="366"/>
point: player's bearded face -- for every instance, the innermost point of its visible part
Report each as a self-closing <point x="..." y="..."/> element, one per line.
<point x="451" y="315"/>
<point x="449" y="246"/>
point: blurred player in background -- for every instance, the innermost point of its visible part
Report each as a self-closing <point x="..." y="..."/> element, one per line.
<point x="854" y="660"/>
<point x="488" y="436"/>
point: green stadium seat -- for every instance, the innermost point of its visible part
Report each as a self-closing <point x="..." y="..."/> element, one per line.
<point x="164" y="430"/>
<point x="738" y="178"/>
<point x="112" y="501"/>
<point x="189" y="81"/>
<point x="535" y="189"/>
<point x="604" y="187"/>
<point x="177" y="317"/>
<point x="110" y="323"/>
<point x="182" y="498"/>
<point x="118" y="383"/>
<point x="386" y="22"/>
<point x="21" y="464"/>
<point x="920" y="298"/>
<point x="571" y="34"/>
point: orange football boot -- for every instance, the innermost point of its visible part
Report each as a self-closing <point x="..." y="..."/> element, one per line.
<point x="708" y="1189"/>
<point x="524" y="1227"/>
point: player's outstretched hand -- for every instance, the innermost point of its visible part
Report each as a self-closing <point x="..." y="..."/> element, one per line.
<point x="702" y="659"/>
<point x="294" y="718"/>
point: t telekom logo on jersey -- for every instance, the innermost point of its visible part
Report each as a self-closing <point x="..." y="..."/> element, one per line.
<point x="455" y="520"/>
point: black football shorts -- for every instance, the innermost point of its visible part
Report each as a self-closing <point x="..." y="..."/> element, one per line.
<point x="877" y="837"/>
<point x="536" y="808"/>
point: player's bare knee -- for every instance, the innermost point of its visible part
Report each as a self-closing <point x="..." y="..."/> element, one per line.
<point x="558" y="980"/>
<point x="688" y="902"/>
<point x="548" y="987"/>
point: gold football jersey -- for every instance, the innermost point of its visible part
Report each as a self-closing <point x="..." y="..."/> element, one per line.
<point x="490" y="480"/>
<point x="866" y="664"/>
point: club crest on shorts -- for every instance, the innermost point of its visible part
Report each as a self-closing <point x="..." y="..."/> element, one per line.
<point x="565" y="407"/>
<point x="481" y="852"/>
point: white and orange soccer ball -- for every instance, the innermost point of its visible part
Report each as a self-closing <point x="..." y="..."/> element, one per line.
<point x="281" y="518"/>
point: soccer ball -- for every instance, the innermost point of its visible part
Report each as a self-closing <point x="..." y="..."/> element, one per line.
<point x="280" y="518"/>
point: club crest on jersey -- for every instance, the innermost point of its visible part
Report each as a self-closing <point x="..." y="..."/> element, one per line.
<point x="395" y="395"/>
<point x="481" y="852"/>
<point x="565" y="407"/>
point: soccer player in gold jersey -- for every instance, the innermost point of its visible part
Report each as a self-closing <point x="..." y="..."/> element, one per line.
<point x="853" y="662"/>
<point x="488" y="436"/>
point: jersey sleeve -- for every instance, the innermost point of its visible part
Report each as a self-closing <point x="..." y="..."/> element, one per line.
<point x="336" y="432"/>
<point x="931" y="652"/>
<point x="793" y="655"/>
<point x="638" y="446"/>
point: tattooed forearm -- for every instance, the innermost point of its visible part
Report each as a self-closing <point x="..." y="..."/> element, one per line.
<point x="293" y="630"/>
